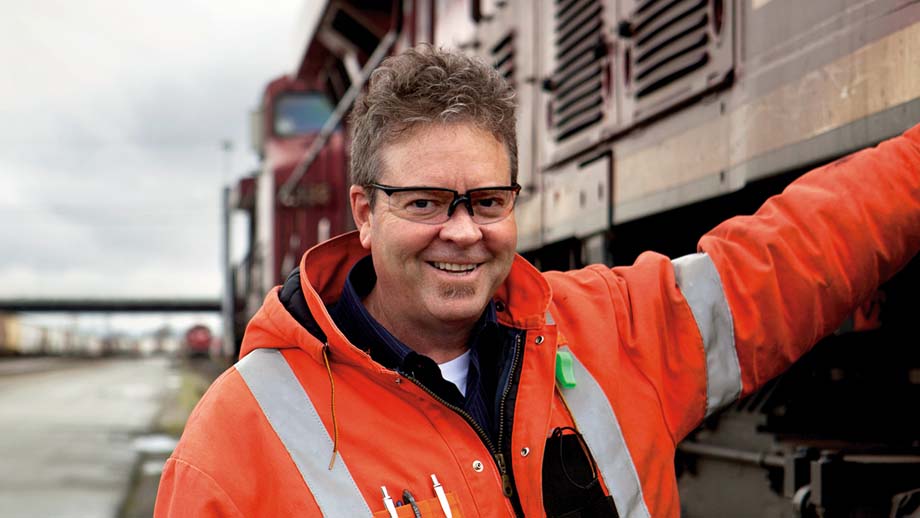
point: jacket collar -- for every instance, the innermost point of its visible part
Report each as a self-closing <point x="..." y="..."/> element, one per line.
<point x="522" y="301"/>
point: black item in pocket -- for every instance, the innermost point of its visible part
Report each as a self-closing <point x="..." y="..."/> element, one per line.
<point x="571" y="488"/>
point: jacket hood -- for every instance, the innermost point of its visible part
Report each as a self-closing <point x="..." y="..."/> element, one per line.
<point x="295" y="316"/>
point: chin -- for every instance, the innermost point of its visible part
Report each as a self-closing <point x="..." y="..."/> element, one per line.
<point x="453" y="310"/>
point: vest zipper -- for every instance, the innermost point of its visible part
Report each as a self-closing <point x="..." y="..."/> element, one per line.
<point x="501" y="404"/>
<point x="507" y="488"/>
<point x="497" y="455"/>
<point x="463" y="413"/>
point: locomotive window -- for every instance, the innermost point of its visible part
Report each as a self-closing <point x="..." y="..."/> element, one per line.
<point x="298" y="114"/>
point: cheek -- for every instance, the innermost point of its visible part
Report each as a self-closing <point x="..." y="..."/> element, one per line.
<point x="401" y="243"/>
<point x="502" y="240"/>
<point x="410" y="238"/>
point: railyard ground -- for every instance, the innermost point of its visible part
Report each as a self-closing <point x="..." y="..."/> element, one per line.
<point x="195" y="377"/>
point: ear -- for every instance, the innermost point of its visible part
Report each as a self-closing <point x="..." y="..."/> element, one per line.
<point x="361" y="212"/>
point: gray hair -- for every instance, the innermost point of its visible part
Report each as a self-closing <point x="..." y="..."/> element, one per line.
<point x="425" y="85"/>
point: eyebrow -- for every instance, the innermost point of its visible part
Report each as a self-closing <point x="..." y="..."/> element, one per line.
<point x="395" y="188"/>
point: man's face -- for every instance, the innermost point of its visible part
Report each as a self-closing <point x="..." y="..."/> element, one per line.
<point x="417" y="263"/>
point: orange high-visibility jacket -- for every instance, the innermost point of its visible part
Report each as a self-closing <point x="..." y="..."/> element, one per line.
<point x="657" y="346"/>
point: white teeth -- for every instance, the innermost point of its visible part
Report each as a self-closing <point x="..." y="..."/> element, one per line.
<point x="452" y="267"/>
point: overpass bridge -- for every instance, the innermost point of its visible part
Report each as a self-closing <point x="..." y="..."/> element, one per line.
<point x="109" y="305"/>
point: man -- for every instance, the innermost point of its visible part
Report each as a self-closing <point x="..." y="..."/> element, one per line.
<point x="420" y="360"/>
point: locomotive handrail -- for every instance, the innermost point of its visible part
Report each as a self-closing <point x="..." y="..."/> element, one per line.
<point x="756" y="458"/>
<point x="286" y="192"/>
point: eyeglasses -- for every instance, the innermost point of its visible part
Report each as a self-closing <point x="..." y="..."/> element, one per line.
<point x="435" y="205"/>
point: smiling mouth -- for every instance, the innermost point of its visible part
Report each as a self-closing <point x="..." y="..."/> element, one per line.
<point x="454" y="267"/>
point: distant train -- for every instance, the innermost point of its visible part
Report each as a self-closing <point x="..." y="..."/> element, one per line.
<point x="642" y="124"/>
<point x="199" y="342"/>
<point x="19" y="337"/>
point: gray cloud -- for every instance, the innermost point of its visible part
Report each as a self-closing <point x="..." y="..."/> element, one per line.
<point x="109" y="139"/>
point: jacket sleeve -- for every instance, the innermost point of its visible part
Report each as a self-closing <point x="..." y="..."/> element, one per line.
<point x="187" y="491"/>
<point x="793" y="271"/>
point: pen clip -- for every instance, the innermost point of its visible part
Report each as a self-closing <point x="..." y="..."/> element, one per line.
<point x="388" y="503"/>
<point x="442" y="498"/>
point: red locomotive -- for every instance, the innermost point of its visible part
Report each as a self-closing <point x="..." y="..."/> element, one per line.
<point x="198" y="341"/>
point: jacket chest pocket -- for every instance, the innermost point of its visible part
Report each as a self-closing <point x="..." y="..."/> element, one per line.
<point x="428" y="508"/>
<point x="571" y="487"/>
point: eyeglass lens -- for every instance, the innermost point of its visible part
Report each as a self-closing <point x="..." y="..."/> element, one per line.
<point x="436" y="206"/>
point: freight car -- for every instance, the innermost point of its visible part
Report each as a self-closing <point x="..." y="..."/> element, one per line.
<point x="21" y="338"/>
<point x="9" y="331"/>
<point x="642" y="124"/>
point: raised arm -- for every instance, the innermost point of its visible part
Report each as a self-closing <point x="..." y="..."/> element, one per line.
<point x="793" y="271"/>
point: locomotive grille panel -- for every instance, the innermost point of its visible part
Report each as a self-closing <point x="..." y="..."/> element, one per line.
<point x="671" y="40"/>
<point x="577" y="101"/>
<point x="503" y="57"/>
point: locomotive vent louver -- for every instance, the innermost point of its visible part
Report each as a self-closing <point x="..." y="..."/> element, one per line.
<point x="577" y="101"/>
<point x="503" y="57"/>
<point x="670" y="40"/>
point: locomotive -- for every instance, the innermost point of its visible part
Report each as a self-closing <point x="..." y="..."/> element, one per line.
<point x="198" y="341"/>
<point x="642" y="124"/>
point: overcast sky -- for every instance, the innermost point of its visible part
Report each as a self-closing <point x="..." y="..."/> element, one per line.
<point x="111" y="118"/>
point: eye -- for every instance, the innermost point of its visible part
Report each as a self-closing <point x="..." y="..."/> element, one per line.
<point x="489" y="202"/>
<point x="420" y="202"/>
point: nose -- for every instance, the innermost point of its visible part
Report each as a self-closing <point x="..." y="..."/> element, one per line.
<point x="461" y="229"/>
<point x="465" y="200"/>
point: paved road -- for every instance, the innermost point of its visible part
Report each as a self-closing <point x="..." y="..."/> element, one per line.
<point x="66" y="435"/>
<point x="13" y="366"/>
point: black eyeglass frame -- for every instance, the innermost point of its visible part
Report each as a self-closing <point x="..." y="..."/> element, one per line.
<point x="459" y="198"/>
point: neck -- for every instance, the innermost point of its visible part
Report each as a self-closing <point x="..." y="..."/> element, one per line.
<point x="441" y="343"/>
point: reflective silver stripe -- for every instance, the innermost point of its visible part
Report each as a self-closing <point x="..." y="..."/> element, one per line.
<point x="597" y="422"/>
<point x="298" y="425"/>
<point x="549" y="319"/>
<point x="700" y="283"/>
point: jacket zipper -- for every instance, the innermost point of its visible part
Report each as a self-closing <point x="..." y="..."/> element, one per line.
<point x="497" y="454"/>
<point x="463" y="413"/>
<point x="499" y="457"/>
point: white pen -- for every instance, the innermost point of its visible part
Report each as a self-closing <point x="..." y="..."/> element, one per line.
<point x="388" y="503"/>
<point x="442" y="498"/>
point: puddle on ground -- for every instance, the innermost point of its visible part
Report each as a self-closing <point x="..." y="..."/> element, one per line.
<point x="152" y="468"/>
<point x="157" y="444"/>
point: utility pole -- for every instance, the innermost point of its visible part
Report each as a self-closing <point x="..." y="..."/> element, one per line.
<point x="227" y="305"/>
<point x="226" y="145"/>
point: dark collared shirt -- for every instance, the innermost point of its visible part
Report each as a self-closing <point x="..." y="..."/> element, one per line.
<point x="361" y="329"/>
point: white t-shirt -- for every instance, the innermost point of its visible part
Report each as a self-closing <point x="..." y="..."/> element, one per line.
<point x="455" y="370"/>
